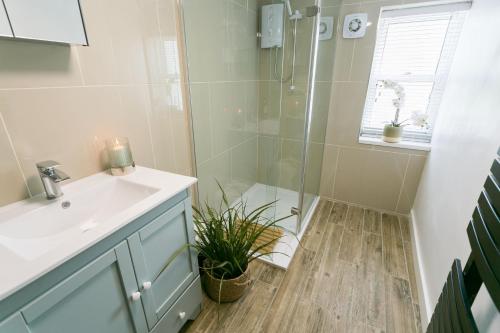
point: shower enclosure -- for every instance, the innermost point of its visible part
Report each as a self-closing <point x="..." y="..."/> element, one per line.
<point x="257" y="128"/>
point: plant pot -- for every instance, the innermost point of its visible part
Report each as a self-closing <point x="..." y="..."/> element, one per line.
<point x="230" y="291"/>
<point x="392" y="134"/>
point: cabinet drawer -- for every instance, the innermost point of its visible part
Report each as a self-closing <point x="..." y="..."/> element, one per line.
<point x="187" y="307"/>
<point x="164" y="241"/>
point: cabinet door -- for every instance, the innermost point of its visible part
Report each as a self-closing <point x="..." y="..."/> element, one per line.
<point x="152" y="248"/>
<point x="50" y="20"/>
<point x="4" y="23"/>
<point x="97" y="298"/>
<point x="14" y="324"/>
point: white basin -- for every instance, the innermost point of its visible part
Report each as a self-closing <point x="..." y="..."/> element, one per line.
<point x="37" y="235"/>
<point x="37" y="231"/>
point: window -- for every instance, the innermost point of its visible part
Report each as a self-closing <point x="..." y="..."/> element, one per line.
<point x="414" y="48"/>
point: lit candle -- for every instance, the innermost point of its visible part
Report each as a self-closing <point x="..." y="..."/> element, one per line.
<point x="119" y="153"/>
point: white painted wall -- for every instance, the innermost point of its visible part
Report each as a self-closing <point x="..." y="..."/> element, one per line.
<point x="466" y="139"/>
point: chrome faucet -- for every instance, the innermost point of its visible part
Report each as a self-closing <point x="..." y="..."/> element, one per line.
<point x="51" y="177"/>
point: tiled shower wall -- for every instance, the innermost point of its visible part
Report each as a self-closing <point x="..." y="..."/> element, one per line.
<point x="223" y="62"/>
<point x="61" y="102"/>
<point x="374" y="176"/>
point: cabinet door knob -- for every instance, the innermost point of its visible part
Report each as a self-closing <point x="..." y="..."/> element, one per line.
<point x="182" y="315"/>
<point x="146" y="285"/>
<point x="136" y="295"/>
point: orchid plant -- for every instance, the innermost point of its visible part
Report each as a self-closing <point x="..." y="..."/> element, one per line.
<point x="417" y="118"/>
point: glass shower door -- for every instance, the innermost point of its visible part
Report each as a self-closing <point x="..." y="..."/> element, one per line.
<point x="299" y="157"/>
<point x="313" y="150"/>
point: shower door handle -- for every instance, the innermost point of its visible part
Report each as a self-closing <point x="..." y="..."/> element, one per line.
<point x="295" y="211"/>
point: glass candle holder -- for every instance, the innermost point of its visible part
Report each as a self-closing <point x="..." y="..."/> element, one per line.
<point x="120" y="156"/>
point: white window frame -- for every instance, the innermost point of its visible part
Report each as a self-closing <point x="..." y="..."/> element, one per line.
<point x="454" y="10"/>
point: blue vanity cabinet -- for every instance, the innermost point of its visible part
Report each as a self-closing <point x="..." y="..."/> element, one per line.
<point x="164" y="243"/>
<point x="143" y="278"/>
<point x="95" y="299"/>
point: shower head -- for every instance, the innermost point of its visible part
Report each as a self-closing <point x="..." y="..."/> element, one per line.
<point x="292" y="15"/>
<point x="288" y="7"/>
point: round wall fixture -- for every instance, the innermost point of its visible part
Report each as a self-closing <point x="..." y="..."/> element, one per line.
<point x="355" y="25"/>
<point x="326" y="28"/>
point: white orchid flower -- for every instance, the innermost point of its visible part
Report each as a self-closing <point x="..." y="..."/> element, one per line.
<point x="419" y="119"/>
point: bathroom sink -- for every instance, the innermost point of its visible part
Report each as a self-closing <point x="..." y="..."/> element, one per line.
<point x="36" y="231"/>
<point x="37" y="235"/>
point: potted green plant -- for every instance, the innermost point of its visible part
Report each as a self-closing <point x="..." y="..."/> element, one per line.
<point x="227" y="239"/>
<point x="394" y="130"/>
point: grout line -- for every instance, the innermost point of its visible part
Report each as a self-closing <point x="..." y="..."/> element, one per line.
<point x="228" y="150"/>
<point x="150" y="131"/>
<point x="402" y="184"/>
<point x="79" y="64"/>
<point x="352" y="59"/>
<point x="11" y="144"/>
<point x="82" y="86"/>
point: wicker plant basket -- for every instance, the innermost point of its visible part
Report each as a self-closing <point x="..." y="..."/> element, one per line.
<point x="230" y="291"/>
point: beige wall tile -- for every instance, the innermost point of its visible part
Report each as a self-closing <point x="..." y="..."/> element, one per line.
<point x="13" y="187"/>
<point x="313" y="168"/>
<point x="303" y="46"/>
<point x="368" y="177"/>
<point x="200" y="109"/>
<point x="70" y="125"/>
<point x="269" y="107"/>
<point x="236" y="57"/>
<point x="328" y="170"/>
<point x="35" y="64"/>
<point x="290" y="164"/>
<point x="128" y="43"/>
<point x="293" y="110"/>
<point x="269" y="150"/>
<point x="321" y="107"/>
<point x="97" y="60"/>
<point x="328" y="3"/>
<point x="96" y="92"/>
<point x="168" y="18"/>
<point x="244" y="164"/>
<point x="346" y="111"/>
<point x="162" y="136"/>
<point x="182" y="139"/>
<point x="267" y="58"/>
<point x="171" y="134"/>
<point x="199" y="40"/>
<point x="326" y="48"/>
<point x="233" y="118"/>
<point x="412" y="179"/>
<point x="345" y="47"/>
<point x="130" y="120"/>
<point x="253" y="5"/>
<point x="215" y="169"/>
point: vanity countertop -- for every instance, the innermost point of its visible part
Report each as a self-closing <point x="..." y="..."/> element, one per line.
<point x="38" y="235"/>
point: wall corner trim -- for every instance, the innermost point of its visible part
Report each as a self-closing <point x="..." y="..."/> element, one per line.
<point x="423" y="292"/>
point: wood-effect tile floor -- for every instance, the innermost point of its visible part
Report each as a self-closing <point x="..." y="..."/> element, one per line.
<point x="354" y="273"/>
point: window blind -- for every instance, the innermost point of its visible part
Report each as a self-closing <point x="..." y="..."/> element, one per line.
<point x="415" y="48"/>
